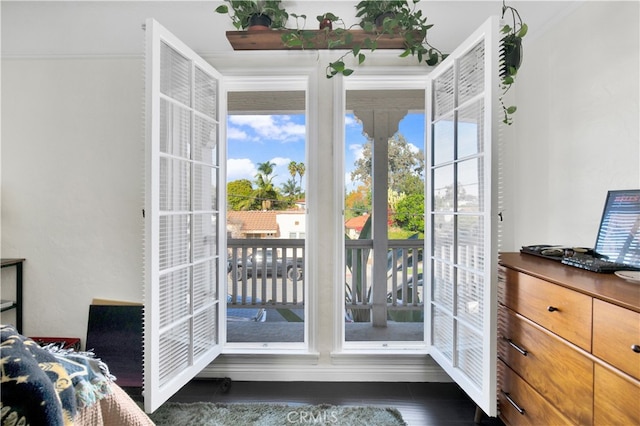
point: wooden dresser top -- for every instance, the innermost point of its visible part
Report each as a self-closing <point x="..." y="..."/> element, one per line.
<point x="607" y="287"/>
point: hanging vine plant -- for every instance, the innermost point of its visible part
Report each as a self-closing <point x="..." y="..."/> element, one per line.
<point x="511" y="56"/>
<point x="378" y="18"/>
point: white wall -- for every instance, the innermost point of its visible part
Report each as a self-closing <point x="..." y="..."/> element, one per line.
<point x="576" y="131"/>
<point x="72" y="168"/>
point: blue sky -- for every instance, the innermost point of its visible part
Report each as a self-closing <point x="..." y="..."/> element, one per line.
<point x="280" y="139"/>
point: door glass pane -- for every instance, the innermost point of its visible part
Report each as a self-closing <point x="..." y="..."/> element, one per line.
<point x="205" y="141"/>
<point x="443" y="136"/>
<point x="443" y="189"/>
<point x="266" y="217"/>
<point x="175" y="75"/>
<point x="469" y="352"/>
<point x="206" y="92"/>
<point x="175" y="129"/>
<point x="442" y="334"/>
<point x="398" y="116"/>
<point x="470" y="129"/>
<point x="468" y="186"/>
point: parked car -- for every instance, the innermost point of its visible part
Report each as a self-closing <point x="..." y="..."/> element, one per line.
<point x="257" y="264"/>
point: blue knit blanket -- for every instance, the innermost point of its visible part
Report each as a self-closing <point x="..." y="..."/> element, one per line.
<point x="46" y="386"/>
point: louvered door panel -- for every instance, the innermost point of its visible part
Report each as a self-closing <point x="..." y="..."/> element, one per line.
<point x="182" y="247"/>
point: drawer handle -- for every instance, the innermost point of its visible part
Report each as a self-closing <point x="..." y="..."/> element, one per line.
<point x="552" y="308"/>
<point x="512" y="402"/>
<point x="635" y="348"/>
<point x="516" y="347"/>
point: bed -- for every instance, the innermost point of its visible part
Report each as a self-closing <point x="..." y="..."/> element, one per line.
<point x="55" y="386"/>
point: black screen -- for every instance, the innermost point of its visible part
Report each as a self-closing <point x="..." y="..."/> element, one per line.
<point x="619" y="233"/>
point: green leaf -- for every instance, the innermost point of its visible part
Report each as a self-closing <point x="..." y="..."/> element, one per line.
<point x="431" y="61"/>
<point x="338" y="66"/>
<point x="507" y="80"/>
<point x="370" y="44"/>
<point x="347" y="72"/>
<point x="406" y="53"/>
<point x="512" y="109"/>
<point x="356" y="50"/>
<point x="523" y="31"/>
<point x="222" y="9"/>
<point x="361" y="58"/>
<point x="505" y="29"/>
<point x="348" y="38"/>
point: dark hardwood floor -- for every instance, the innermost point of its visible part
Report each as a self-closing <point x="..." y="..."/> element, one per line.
<point x="421" y="404"/>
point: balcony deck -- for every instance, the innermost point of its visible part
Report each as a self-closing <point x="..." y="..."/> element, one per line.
<point x="255" y="287"/>
<point x="256" y="332"/>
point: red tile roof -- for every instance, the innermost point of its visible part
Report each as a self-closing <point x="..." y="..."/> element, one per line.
<point x="254" y="221"/>
<point x="356" y="222"/>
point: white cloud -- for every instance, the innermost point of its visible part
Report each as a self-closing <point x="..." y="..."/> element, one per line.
<point x="235" y="133"/>
<point x="240" y="168"/>
<point x="413" y="148"/>
<point x="350" y="120"/>
<point x="280" y="161"/>
<point x="357" y="150"/>
<point x="272" y="127"/>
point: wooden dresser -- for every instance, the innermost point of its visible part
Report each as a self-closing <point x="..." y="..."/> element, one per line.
<point x="568" y="345"/>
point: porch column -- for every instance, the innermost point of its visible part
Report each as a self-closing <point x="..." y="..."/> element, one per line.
<point x="380" y="126"/>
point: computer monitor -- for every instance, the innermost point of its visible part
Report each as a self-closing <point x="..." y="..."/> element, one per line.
<point x="619" y="232"/>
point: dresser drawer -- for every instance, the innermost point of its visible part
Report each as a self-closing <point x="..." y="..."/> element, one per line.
<point x="616" y="333"/>
<point x="617" y="399"/>
<point x="556" y="370"/>
<point x="558" y="309"/>
<point x="520" y="404"/>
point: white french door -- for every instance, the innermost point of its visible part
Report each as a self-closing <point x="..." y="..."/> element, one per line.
<point x="461" y="214"/>
<point x="184" y="216"/>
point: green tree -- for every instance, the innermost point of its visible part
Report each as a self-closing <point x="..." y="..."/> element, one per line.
<point x="409" y="213"/>
<point x="357" y="202"/>
<point x="240" y="195"/>
<point x="296" y="169"/>
<point x="405" y="164"/>
<point x="265" y="192"/>
<point x="290" y="188"/>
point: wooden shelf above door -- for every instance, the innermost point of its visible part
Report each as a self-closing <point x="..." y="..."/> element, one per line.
<point x="319" y="39"/>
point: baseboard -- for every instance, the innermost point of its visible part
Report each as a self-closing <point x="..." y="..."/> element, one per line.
<point x="338" y="369"/>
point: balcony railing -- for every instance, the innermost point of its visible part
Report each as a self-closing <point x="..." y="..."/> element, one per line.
<point x="265" y="273"/>
<point x="269" y="273"/>
<point x="404" y="283"/>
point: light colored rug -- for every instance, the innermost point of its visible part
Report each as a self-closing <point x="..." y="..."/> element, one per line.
<point x="210" y="414"/>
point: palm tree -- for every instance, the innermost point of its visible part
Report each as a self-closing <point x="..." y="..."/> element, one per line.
<point x="300" y="169"/>
<point x="264" y="181"/>
<point x="297" y="169"/>
<point x="290" y="188"/>
<point x="293" y="169"/>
